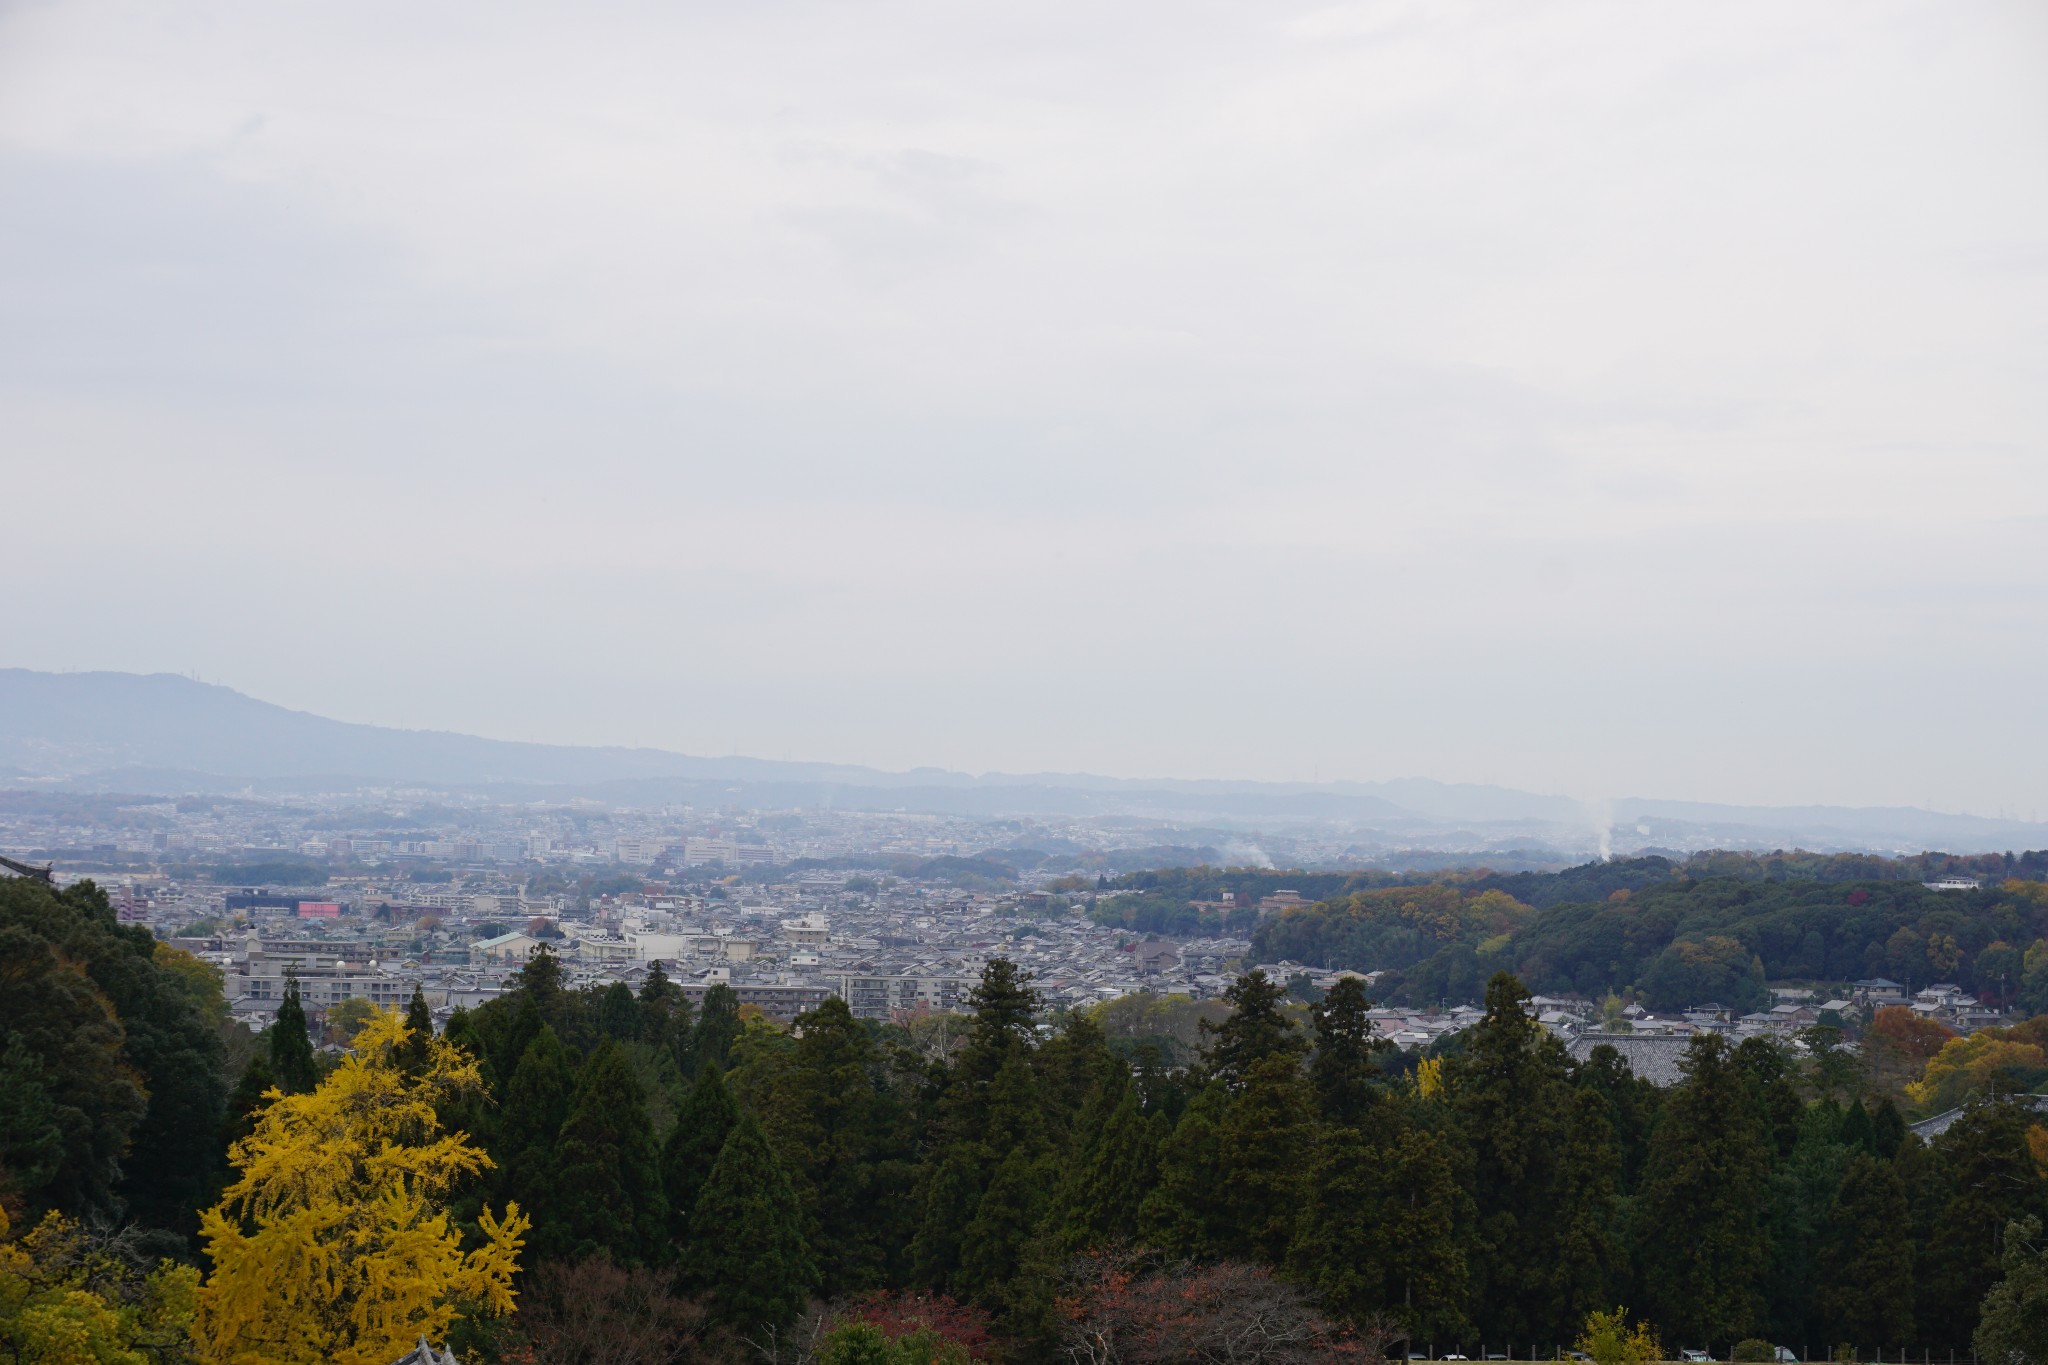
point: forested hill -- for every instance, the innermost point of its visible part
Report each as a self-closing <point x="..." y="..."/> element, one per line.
<point x="1682" y="934"/>
<point x="1713" y="927"/>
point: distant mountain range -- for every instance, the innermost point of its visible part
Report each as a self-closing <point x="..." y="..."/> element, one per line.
<point x="163" y="733"/>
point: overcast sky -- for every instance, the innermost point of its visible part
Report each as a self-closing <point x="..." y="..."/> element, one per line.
<point x="1601" y="398"/>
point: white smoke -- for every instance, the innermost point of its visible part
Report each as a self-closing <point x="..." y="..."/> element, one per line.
<point x="1600" y="815"/>
<point x="1245" y="855"/>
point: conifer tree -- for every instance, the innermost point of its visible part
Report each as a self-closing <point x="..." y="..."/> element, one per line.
<point x="1185" y="1214"/>
<point x="1768" y="1069"/>
<point x="1984" y="1178"/>
<point x="1866" y="1263"/>
<point x="703" y="1123"/>
<point x="664" y="1013"/>
<point x="1590" y="1262"/>
<point x="618" y="1013"/>
<point x="1345" y="1069"/>
<point x="1072" y="1065"/>
<point x="854" y="1183"/>
<point x="1262" y="1150"/>
<point x="2014" y="1326"/>
<point x="1703" y="1249"/>
<point x="416" y="1051"/>
<point x="949" y="1190"/>
<point x="607" y="1194"/>
<point x="1005" y="1220"/>
<point x="1107" y="1181"/>
<point x="291" y="1046"/>
<point x="1380" y="1232"/>
<point x="747" y="1254"/>
<point x="245" y="1103"/>
<point x="1631" y="1102"/>
<point x="1888" y="1128"/>
<point x="1512" y="1100"/>
<point x="1857" y="1130"/>
<point x="718" y="1024"/>
<point x="1254" y="1030"/>
<point x="474" y="1113"/>
<point x="529" y="1119"/>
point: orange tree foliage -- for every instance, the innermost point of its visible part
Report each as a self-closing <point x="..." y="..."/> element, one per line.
<point x="334" y="1243"/>
<point x="1992" y="1061"/>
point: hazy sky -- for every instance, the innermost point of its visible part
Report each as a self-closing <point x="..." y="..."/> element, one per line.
<point x="1606" y="398"/>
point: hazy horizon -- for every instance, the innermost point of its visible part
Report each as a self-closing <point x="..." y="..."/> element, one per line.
<point x="1589" y="400"/>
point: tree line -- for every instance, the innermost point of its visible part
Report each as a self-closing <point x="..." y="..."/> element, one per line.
<point x="568" y="1172"/>
<point x="1674" y="939"/>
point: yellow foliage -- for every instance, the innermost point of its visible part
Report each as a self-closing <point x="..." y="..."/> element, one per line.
<point x="2037" y="1147"/>
<point x="2033" y="893"/>
<point x="1973" y="1066"/>
<point x="1610" y="1340"/>
<point x="334" y="1243"/>
<point x="1429" y="1077"/>
<point x="56" y="1309"/>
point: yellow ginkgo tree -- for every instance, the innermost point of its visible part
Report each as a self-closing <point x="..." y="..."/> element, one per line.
<point x="334" y="1242"/>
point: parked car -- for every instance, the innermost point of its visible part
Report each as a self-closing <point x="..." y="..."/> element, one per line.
<point x="1695" y="1357"/>
<point x="1784" y="1357"/>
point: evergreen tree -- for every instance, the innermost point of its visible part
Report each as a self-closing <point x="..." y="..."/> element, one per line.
<point x="1857" y="1130"/>
<point x="291" y="1045"/>
<point x="2014" y="1324"/>
<point x="1866" y="1283"/>
<point x="1185" y="1214"/>
<point x="31" y="1135"/>
<point x="1345" y="1069"/>
<point x="1632" y="1104"/>
<point x="1254" y="1030"/>
<point x="618" y="1013"/>
<point x="992" y="1248"/>
<point x="415" y="1053"/>
<point x="1072" y="1065"/>
<point x="245" y="1103"/>
<point x="664" y="1013"/>
<point x="1799" y="1204"/>
<point x="1262" y="1149"/>
<point x="1985" y="1178"/>
<point x="949" y="1191"/>
<point x="540" y="980"/>
<point x="1591" y="1263"/>
<point x="1005" y="1007"/>
<point x="718" y="1024"/>
<point x="607" y="1193"/>
<point x="472" y="1112"/>
<point x="529" y="1120"/>
<point x="851" y="1141"/>
<point x="1108" y="1181"/>
<point x="1704" y="1248"/>
<point x="1768" y="1069"/>
<point x="1888" y="1127"/>
<point x="1513" y="1104"/>
<point x="747" y="1254"/>
<point x="1380" y="1232"/>
<point x="703" y="1123"/>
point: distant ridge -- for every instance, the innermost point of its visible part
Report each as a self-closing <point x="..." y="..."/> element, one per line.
<point x="164" y="733"/>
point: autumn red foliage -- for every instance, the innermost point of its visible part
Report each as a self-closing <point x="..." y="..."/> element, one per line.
<point x="898" y="1315"/>
<point x="1128" y="1308"/>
